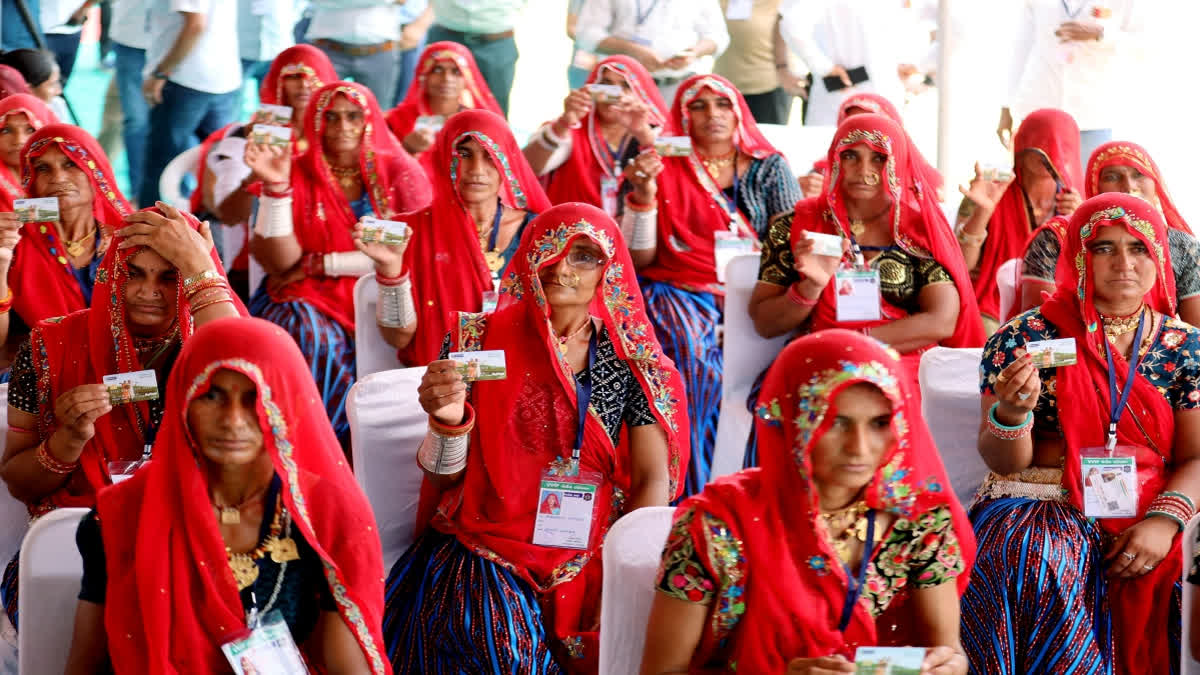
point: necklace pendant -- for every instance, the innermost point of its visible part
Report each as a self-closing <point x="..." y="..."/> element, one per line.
<point x="230" y="515"/>
<point x="245" y="571"/>
<point x="858" y="228"/>
<point x="283" y="550"/>
<point x="494" y="260"/>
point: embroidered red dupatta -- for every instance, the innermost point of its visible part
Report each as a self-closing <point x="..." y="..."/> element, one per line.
<point x="393" y="182"/>
<point x="1148" y="422"/>
<point x="1053" y="134"/>
<point x="444" y="258"/>
<point x="527" y="420"/>
<point x="12" y="82"/>
<point x="41" y="279"/>
<point x="795" y="585"/>
<point x="1124" y="153"/>
<point x="159" y="528"/>
<point x="39" y="115"/>
<point x="63" y="361"/>
<point x="691" y="207"/>
<point x="476" y="95"/>
<point x="578" y="180"/>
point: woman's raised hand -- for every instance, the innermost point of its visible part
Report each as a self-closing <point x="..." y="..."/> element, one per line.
<point x="270" y="163"/>
<point x="576" y="106"/>
<point x="817" y="270"/>
<point x="985" y="192"/>
<point x="1017" y="388"/>
<point x="944" y="661"/>
<point x="77" y="411"/>
<point x="10" y="236"/>
<point x="388" y="258"/>
<point x="443" y="393"/>
<point x="171" y="236"/>
<point x="642" y="173"/>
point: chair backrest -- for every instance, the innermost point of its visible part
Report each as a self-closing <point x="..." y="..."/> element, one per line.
<point x="801" y="145"/>
<point x="747" y="354"/>
<point x="372" y="353"/>
<point x="14" y="517"/>
<point x="1189" y="662"/>
<point x="1006" y="279"/>
<point x="169" y="183"/>
<point x="387" y="426"/>
<point x="50" y="572"/>
<point x="950" y="402"/>
<point x="632" y="552"/>
<point x="257" y="275"/>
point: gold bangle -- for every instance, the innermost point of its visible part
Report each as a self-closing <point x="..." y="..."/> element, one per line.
<point x="53" y="464"/>
<point x="969" y="239"/>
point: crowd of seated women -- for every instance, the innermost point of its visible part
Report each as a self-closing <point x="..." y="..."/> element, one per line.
<point x="224" y="526"/>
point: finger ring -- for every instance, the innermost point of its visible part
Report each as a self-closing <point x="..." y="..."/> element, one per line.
<point x="1147" y="567"/>
<point x="639" y="173"/>
<point x="1024" y="395"/>
<point x="1129" y="555"/>
<point x="1002" y="378"/>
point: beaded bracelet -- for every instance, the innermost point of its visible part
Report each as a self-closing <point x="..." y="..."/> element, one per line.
<point x="1005" y="432"/>
<point x="53" y="464"/>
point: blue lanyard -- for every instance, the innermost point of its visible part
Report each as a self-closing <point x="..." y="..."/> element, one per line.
<point x="1067" y="9"/>
<point x="583" y="397"/>
<point x="1117" y="404"/>
<point x="733" y="202"/>
<point x="642" y="16"/>
<point x="496" y="225"/>
<point x="854" y="590"/>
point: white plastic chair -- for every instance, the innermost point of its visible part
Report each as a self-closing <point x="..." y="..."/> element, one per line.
<point x="387" y="426"/>
<point x="950" y="402"/>
<point x="747" y="354"/>
<point x="14" y="517"/>
<point x="1189" y="664"/>
<point x="172" y="177"/>
<point x="50" y="572"/>
<point x="632" y="551"/>
<point x="372" y="353"/>
<point x="801" y="145"/>
<point x="1006" y="280"/>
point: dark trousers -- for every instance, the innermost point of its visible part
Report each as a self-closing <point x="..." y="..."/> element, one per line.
<point x="772" y="107"/>
<point x="497" y="59"/>
<point x="65" y="47"/>
<point x="184" y="118"/>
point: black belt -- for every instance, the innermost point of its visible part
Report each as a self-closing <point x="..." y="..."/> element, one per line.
<point x="671" y="80"/>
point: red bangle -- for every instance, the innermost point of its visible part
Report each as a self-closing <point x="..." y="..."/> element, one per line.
<point x="458" y="430"/>
<point x="313" y="264"/>
<point x="7" y="303"/>
<point x="391" y="281"/>
<point x="640" y="208"/>
<point x="51" y="463"/>
<point x="267" y="192"/>
<point x="795" y="296"/>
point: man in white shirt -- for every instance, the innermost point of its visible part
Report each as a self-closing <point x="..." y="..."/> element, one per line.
<point x="362" y="39"/>
<point x="1071" y="55"/>
<point x="191" y="79"/>
<point x="666" y="36"/>
<point x="130" y="33"/>
<point x="264" y="30"/>
<point x="62" y="23"/>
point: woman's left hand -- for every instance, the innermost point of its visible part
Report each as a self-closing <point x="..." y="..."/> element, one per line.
<point x="1066" y="202"/>
<point x="172" y="237"/>
<point x="944" y="661"/>
<point x="1141" y="547"/>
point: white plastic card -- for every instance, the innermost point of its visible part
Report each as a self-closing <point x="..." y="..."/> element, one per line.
<point x="825" y="244"/>
<point x="269" y="648"/>
<point x="1110" y="488"/>
<point x="858" y="295"/>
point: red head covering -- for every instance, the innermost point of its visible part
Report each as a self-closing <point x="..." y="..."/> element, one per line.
<point x="41" y="277"/>
<point x="1054" y="135"/>
<point x="304" y="60"/>
<point x="1124" y="153"/>
<point x="794" y="585"/>
<point x="392" y="180"/>
<point x="445" y="233"/>
<point x="578" y="180"/>
<point x="528" y="420"/>
<point x="691" y="206"/>
<point x="880" y="105"/>
<point x="64" y="361"/>
<point x="12" y="82"/>
<point x="39" y="116"/>
<point x="1147" y="424"/>
<point x="159" y="525"/>
<point x="919" y="226"/>
<point x="475" y="94"/>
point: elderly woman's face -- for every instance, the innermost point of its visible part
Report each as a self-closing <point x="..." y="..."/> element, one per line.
<point x="224" y="421"/>
<point x="711" y="117"/>
<point x="1127" y="179"/>
<point x="57" y="175"/>
<point x="862" y="172"/>
<point x="573" y="279"/>
<point x="1123" y="268"/>
<point x="849" y="453"/>
<point x="1038" y="184"/>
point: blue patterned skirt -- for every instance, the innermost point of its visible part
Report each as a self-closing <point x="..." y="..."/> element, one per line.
<point x="326" y="345"/>
<point x="686" y="324"/>
<point x="8" y="588"/>
<point x="450" y="611"/>
<point x="1037" y="602"/>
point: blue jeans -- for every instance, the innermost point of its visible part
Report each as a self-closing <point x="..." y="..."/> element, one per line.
<point x="136" y="126"/>
<point x="377" y="72"/>
<point x="184" y="118"/>
<point x="408" y="72"/>
<point x="65" y="47"/>
<point x="1089" y="140"/>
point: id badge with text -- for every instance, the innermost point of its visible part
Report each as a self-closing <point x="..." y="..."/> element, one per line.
<point x="858" y="295"/>
<point x="609" y="188"/>
<point x="726" y="247"/>
<point x="1110" y="485"/>
<point x="565" y="508"/>
<point x="268" y="648"/>
<point x="490" y="300"/>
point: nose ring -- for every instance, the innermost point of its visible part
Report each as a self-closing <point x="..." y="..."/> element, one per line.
<point x="871" y="179"/>
<point x="571" y="281"/>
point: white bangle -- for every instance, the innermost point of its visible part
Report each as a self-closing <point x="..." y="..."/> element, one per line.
<point x="274" y="217"/>
<point x="640" y="229"/>
<point x="348" y="264"/>
<point x="551" y="137"/>
<point x="395" y="308"/>
<point x="443" y="455"/>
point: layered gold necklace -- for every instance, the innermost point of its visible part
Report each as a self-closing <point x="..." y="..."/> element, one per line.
<point x="846" y="525"/>
<point x="78" y="247"/>
<point x="1116" y="326"/>
<point x="713" y="165"/>
<point x="346" y="177"/>
<point x="278" y="544"/>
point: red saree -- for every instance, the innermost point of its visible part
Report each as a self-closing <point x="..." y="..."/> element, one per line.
<point x="1148" y="422"/>
<point x="475" y="95"/>
<point x="41" y="278"/>
<point x="1124" y="153"/>
<point x="12" y="82"/>
<point x="392" y="180"/>
<point x="931" y="178"/>
<point x="691" y="206"/>
<point x="444" y="258"/>
<point x="492" y="511"/>
<point x="578" y="180"/>
<point x="919" y="227"/>
<point x="1054" y="135"/>
<point x="795" y="586"/>
<point x="159" y="526"/>
<point x="39" y="116"/>
<point x="63" y="361"/>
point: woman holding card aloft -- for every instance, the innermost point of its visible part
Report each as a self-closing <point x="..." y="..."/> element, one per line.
<point x="65" y="439"/>
<point x="582" y="154"/>
<point x="248" y="513"/>
<point x="685" y="218"/>
<point x="1058" y="564"/>
<point x="572" y="328"/>
<point x="448" y="81"/>
<point x="20" y="116"/>
<point x="485" y="195"/>
<point x="877" y="548"/>
<point x="305" y="222"/>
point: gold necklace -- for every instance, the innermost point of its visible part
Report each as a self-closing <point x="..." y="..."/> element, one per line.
<point x="76" y="248"/>
<point x="563" y="340"/>
<point x="281" y="549"/>
<point x="346" y="177"/>
<point x="713" y="165"/>
<point x="849" y="524"/>
<point x="858" y="226"/>
<point x="1116" y="326"/>
<point x="493" y="258"/>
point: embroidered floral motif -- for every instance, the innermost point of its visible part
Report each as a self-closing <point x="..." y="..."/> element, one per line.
<point x="574" y="646"/>
<point x="471" y="328"/>
<point x="680" y="574"/>
<point x="819" y="564"/>
<point x="729" y="564"/>
<point x="922" y="552"/>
